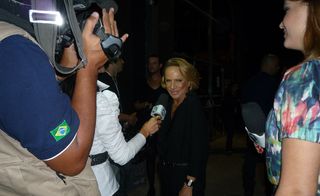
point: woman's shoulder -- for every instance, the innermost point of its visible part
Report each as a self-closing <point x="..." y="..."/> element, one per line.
<point x="304" y="72"/>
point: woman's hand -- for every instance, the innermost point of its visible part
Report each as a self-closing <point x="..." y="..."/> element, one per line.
<point x="259" y="149"/>
<point x="151" y="126"/>
<point x="185" y="191"/>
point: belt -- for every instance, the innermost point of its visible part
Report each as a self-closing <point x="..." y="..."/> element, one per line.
<point x="97" y="159"/>
<point x="173" y="164"/>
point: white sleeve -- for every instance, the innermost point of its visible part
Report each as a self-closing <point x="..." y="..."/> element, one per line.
<point x="125" y="151"/>
<point x="109" y="131"/>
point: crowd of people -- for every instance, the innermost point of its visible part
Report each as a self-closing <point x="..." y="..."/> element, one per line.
<point x="64" y="133"/>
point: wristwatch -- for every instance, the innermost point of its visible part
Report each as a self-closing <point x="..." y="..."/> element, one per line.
<point x="189" y="182"/>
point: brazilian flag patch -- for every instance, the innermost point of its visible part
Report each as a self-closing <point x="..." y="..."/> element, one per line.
<point x="60" y="131"/>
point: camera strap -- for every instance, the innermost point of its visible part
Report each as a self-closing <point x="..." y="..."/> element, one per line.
<point x="46" y="34"/>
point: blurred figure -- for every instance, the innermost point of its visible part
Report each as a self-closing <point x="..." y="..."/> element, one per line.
<point x="260" y="89"/>
<point x="230" y="114"/>
<point x="293" y="125"/>
<point x="183" y="136"/>
<point x="149" y="93"/>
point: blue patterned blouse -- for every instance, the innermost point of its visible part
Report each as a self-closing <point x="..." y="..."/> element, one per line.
<point x="295" y="114"/>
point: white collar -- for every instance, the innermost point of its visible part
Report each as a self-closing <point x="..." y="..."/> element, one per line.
<point x="102" y="86"/>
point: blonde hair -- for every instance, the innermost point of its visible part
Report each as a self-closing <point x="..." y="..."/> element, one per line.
<point x="188" y="71"/>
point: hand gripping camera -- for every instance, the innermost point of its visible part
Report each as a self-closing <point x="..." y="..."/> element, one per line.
<point x="110" y="44"/>
<point x="55" y="25"/>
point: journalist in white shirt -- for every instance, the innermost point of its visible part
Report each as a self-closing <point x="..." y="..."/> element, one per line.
<point x="109" y="138"/>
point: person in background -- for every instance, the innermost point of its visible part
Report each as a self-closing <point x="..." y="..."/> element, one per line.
<point x="183" y="136"/>
<point x="293" y="125"/>
<point x="149" y="93"/>
<point x="45" y="138"/>
<point x="259" y="89"/>
<point x="230" y="113"/>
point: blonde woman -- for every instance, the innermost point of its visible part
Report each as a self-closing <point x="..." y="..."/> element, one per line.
<point x="183" y="134"/>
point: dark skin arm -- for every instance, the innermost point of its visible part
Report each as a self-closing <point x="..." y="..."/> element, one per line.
<point x="73" y="159"/>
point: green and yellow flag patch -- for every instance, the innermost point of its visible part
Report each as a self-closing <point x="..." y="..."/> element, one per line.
<point x="60" y="131"/>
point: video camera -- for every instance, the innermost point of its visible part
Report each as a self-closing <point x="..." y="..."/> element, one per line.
<point x="110" y="44"/>
<point x="56" y="24"/>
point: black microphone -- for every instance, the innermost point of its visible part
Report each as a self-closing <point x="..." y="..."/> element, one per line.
<point x="255" y="122"/>
<point x="159" y="109"/>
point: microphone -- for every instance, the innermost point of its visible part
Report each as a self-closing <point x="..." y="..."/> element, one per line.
<point x="159" y="109"/>
<point x="254" y="120"/>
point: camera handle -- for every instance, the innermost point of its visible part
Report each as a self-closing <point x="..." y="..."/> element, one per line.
<point x="110" y="44"/>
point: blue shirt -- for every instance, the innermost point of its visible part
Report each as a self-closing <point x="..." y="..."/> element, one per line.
<point x="33" y="110"/>
<point x="295" y="114"/>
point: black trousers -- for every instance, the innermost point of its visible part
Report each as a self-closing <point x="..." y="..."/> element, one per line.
<point x="251" y="159"/>
<point x="172" y="179"/>
<point x="151" y="155"/>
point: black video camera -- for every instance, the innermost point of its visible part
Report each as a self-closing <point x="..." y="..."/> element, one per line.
<point x="110" y="44"/>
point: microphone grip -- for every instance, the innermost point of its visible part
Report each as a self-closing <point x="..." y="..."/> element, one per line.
<point x="159" y="111"/>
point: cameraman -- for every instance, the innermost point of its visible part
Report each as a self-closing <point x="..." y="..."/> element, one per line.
<point x="44" y="139"/>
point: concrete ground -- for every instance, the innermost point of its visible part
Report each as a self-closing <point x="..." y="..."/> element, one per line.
<point x="224" y="177"/>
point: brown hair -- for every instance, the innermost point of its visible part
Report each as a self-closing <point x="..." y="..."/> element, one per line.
<point x="188" y="71"/>
<point x="312" y="34"/>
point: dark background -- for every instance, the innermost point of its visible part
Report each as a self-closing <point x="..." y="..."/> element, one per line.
<point x="224" y="39"/>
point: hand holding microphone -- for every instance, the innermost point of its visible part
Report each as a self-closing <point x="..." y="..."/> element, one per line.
<point x="159" y="109"/>
<point x="151" y="126"/>
<point x="158" y="113"/>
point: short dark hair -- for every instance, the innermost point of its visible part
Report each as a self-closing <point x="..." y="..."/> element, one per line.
<point x="156" y="55"/>
<point x="269" y="58"/>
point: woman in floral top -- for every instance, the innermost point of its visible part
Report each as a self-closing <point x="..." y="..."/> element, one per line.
<point x="293" y="126"/>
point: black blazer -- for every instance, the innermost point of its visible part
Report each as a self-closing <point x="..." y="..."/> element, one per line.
<point x="184" y="138"/>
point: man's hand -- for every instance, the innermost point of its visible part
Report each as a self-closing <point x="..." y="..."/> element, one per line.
<point x="91" y="42"/>
<point x="69" y="59"/>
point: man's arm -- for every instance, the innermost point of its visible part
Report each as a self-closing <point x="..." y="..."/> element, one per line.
<point x="73" y="159"/>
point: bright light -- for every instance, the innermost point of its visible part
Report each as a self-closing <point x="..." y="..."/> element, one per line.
<point x="45" y="17"/>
